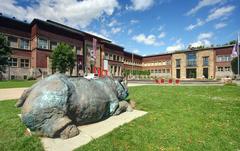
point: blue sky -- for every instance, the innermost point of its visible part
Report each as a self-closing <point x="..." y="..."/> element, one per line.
<point x="142" y="26"/>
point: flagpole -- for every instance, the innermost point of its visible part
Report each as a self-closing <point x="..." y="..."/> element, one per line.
<point x="238" y="52"/>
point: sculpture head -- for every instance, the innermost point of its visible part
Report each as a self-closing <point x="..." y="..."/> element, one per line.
<point x="122" y="91"/>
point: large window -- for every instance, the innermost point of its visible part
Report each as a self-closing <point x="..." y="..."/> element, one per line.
<point x="178" y="62"/>
<point x="24" y="63"/>
<point x="191" y="73"/>
<point x="42" y="43"/>
<point x="223" y="58"/>
<point x="205" y="61"/>
<point x="12" y="42"/>
<point x="24" y="44"/>
<point x="13" y="62"/>
<point x="191" y="59"/>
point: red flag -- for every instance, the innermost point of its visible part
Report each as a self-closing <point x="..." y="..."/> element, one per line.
<point x="95" y="47"/>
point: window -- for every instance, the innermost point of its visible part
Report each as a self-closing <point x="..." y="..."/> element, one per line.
<point x="114" y="57"/>
<point x="163" y="70"/>
<point x="168" y="70"/>
<point x="191" y="59"/>
<point x="24" y="44"/>
<point x="106" y="55"/>
<point x="117" y="58"/>
<point x="227" y="68"/>
<point x="178" y="62"/>
<point x="13" y="42"/>
<point x="42" y="43"/>
<point x="223" y="58"/>
<point x="220" y="69"/>
<point x="24" y="63"/>
<point x="156" y="71"/>
<point x="12" y="77"/>
<point x="13" y="62"/>
<point x="205" y="61"/>
<point x="53" y="45"/>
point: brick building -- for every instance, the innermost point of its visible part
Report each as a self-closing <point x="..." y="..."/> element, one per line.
<point x="32" y="44"/>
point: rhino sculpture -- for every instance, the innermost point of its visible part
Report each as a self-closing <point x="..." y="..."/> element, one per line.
<point x="56" y="105"/>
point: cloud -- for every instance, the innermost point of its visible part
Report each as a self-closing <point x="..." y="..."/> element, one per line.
<point x="201" y="4"/>
<point x="140" y="5"/>
<point x="136" y="51"/>
<point x="207" y="35"/>
<point x="220" y="12"/>
<point x="177" y="46"/>
<point x="193" y="26"/>
<point x="147" y="40"/>
<point x="113" y="23"/>
<point x="71" y="12"/>
<point x="162" y="35"/>
<point x="203" y="40"/>
<point x="98" y="35"/>
<point x="220" y="25"/>
<point x="134" y="21"/>
<point x="116" y="30"/>
<point x="129" y="31"/>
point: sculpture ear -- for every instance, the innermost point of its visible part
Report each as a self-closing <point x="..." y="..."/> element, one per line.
<point x="120" y="80"/>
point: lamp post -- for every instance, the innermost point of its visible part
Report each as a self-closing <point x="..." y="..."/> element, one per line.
<point x="9" y="68"/>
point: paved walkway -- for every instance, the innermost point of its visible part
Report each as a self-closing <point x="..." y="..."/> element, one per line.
<point x="15" y="93"/>
<point x="90" y="132"/>
<point x="12" y="93"/>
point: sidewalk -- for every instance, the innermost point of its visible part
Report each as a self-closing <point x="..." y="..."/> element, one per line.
<point x="12" y="93"/>
<point x="15" y="93"/>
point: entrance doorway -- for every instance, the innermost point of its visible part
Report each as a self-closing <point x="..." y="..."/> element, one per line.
<point x="205" y="72"/>
<point x="178" y="74"/>
<point x="191" y="73"/>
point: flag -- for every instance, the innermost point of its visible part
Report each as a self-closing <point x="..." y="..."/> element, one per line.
<point x="95" y="47"/>
<point x="234" y="51"/>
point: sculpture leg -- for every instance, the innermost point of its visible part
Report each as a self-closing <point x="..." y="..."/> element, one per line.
<point x="51" y="123"/>
<point x="123" y="107"/>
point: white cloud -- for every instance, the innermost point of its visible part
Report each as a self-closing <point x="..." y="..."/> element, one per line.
<point x="201" y="4"/>
<point x="113" y="23"/>
<point x="98" y="35"/>
<point x="217" y="13"/>
<point x="201" y="43"/>
<point x="129" y="31"/>
<point x="134" y="21"/>
<point x="141" y="5"/>
<point x="177" y="46"/>
<point x="116" y="30"/>
<point x="193" y="26"/>
<point x="71" y="12"/>
<point x="203" y="40"/>
<point x="220" y="25"/>
<point x="207" y="35"/>
<point x="162" y="35"/>
<point x="136" y="51"/>
<point x="220" y="12"/>
<point x="147" y="40"/>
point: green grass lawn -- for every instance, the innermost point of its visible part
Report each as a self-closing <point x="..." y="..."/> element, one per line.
<point x="179" y="118"/>
<point x="16" y="83"/>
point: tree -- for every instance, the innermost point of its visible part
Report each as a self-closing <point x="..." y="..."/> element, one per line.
<point x="5" y="53"/>
<point x="232" y="42"/>
<point x="63" y="58"/>
<point x="234" y="64"/>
